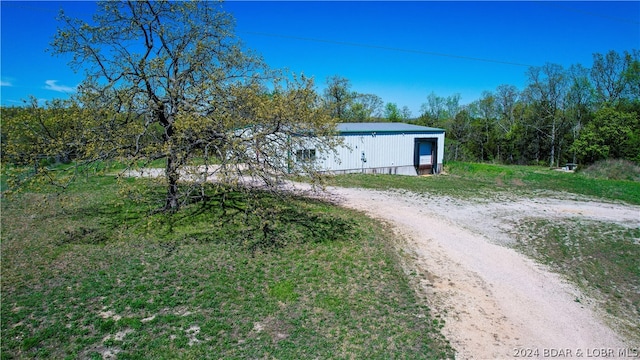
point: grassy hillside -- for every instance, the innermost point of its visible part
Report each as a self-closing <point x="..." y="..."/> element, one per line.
<point x="469" y="180"/>
<point x="92" y="273"/>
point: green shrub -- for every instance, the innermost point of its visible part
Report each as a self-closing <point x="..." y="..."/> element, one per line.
<point x="613" y="169"/>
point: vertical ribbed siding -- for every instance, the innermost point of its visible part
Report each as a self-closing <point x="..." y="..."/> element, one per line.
<point x="381" y="151"/>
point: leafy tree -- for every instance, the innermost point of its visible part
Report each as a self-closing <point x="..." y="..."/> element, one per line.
<point x="169" y="80"/>
<point x="438" y="110"/>
<point x="506" y="101"/>
<point x="392" y="113"/>
<point x="611" y="134"/>
<point x="350" y="106"/>
<point x="452" y="104"/>
<point x="459" y="133"/>
<point x="364" y="107"/>
<point x="433" y="111"/>
<point x="579" y="101"/>
<point x="37" y="136"/>
<point x="486" y="114"/>
<point x="632" y="75"/>
<point x="338" y="96"/>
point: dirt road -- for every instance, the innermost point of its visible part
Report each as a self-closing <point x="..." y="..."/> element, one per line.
<point x="496" y="302"/>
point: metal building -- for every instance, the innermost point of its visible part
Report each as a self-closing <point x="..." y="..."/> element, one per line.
<point x="387" y="148"/>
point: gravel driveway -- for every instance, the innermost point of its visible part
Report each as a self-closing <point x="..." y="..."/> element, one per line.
<point x="496" y="302"/>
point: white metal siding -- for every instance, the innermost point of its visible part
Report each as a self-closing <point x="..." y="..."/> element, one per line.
<point x="387" y="153"/>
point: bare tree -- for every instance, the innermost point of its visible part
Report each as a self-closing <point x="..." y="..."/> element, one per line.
<point x="546" y="90"/>
<point x="610" y="75"/>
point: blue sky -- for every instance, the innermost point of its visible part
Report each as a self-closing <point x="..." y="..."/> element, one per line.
<point x="400" y="51"/>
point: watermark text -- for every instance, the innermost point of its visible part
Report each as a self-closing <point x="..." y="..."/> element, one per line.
<point x="592" y="353"/>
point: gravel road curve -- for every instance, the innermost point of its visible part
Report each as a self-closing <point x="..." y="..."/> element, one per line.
<point x="497" y="303"/>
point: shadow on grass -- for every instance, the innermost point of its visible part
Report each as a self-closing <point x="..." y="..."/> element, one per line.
<point x="255" y="220"/>
<point x="259" y="220"/>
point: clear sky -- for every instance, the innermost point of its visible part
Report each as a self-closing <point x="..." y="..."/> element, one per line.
<point x="400" y="51"/>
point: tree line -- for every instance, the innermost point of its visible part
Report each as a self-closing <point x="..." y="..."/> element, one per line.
<point x="575" y="114"/>
<point x="170" y="81"/>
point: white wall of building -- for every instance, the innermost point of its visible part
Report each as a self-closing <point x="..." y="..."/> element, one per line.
<point x="385" y="153"/>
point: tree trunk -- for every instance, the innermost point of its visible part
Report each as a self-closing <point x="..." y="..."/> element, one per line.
<point x="171" y="171"/>
<point x="553" y="143"/>
<point x="559" y="155"/>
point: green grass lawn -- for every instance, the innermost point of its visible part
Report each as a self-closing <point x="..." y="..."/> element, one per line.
<point x="471" y="180"/>
<point x="91" y="272"/>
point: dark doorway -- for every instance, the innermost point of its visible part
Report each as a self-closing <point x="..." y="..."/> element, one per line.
<point x="425" y="155"/>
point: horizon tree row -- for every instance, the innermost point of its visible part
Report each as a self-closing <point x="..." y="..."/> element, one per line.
<point x="158" y="87"/>
<point x="573" y="114"/>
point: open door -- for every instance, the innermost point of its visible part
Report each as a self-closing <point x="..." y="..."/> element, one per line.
<point x="425" y="155"/>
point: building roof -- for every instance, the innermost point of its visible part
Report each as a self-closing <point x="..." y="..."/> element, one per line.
<point x="384" y="127"/>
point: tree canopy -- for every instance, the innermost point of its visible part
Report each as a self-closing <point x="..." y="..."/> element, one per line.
<point x="350" y="106"/>
<point x="574" y="114"/>
<point x="169" y="80"/>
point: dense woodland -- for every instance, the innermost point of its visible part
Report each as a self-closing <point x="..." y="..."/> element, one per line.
<point x="576" y="114"/>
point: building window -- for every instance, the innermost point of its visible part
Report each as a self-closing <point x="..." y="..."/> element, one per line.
<point x="306" y="155"/>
